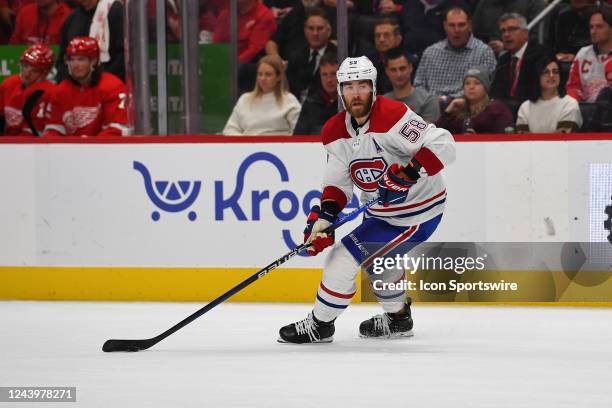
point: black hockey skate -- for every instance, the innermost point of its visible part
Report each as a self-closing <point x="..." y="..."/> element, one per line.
<point x="388" y="325"/>
<point x="309" y="330"/>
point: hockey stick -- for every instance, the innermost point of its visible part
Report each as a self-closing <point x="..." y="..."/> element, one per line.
<point x="28" y="106"/>
<point x="137" y="345"/>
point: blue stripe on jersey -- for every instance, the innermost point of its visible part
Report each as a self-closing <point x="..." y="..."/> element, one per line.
<point x="410" y="214"/>
<point x="325" y="302"/>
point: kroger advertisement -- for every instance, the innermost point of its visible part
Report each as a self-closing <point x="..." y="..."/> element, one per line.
<point x="157" y="205"/>
<point x="245" y="204"/>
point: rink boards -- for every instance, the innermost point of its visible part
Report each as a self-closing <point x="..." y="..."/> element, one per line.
<point x="149" y="220"/>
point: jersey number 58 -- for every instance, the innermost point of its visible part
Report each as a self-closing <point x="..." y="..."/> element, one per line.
<point x="412" y="130"/>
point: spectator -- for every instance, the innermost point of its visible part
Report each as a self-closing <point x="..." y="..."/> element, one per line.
<point x="388" y="8"/>
<point x="510" y="83"/>
<point x="280" y="8"/>
<point x="488" y="13"/>
<point x="587" y="76"/>
<point x="357" y="6"/>
<point x="322" y="104"/>
<point x="91" y="102"/>
<point x="256" y="23"/>
<point x="269" y="109"/>
<point x="209" y="15"/>
<point x="23" y="97"/>
<point x="475" y="112"/>
<point x="90" y="18"/>
<point x="387" y="35"/>
<point x="546" y="111"/>
<point x="173" y="20"/>
<point x="303" y="65"/>
<point x="290" y="33"/>
<point x="443" y="64"/>
<point x="602" y="118"/>
<point x="398" y="66"/>
<point x="422" y="22"/>
<point x="572" y="29"/>
<point x="8" y="11"/>
<point x="40" y="23"/>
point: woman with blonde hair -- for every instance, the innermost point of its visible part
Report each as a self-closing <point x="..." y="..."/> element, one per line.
<point x="269" y="109"/>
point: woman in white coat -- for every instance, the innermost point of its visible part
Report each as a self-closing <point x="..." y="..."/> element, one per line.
<point x="270" y="109"/>
<point x="547" y="111"/>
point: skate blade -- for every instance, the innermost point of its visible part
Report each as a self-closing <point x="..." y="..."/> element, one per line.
<point x="325" y="340"/>
<point x="392" y="336"/>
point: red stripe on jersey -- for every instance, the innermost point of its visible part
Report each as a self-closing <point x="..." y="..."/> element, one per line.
<point x="429" y="161"/>
<point x="336" y="294"/>
<point x="391" y="209"/>
<point x="573" y="86"/>
<point x="401" y="238"/>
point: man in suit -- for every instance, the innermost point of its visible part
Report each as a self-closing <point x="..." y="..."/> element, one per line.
<point x="511" y="82"/>
<point x="321" y="105"/>
<point x="303" y="63"/>
<point x="289" y="34"/>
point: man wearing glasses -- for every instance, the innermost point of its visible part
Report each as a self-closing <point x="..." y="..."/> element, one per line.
<point x="510" y="83"/>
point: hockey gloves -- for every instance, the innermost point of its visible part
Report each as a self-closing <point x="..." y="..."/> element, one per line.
<point x="393" y="187"/>
<point x="317" y="222"/>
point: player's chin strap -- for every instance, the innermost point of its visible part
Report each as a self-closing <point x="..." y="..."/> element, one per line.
<point x="143" y="344"/>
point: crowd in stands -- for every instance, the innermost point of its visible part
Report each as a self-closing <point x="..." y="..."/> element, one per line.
<point x="469" y="66"/>
<point x="472" y="66"/>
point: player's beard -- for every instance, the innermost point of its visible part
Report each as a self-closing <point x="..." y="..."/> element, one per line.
<point x="362" y="110"/>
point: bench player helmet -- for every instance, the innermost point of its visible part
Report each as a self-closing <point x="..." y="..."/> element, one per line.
<point x="356" y="69"/>
<point x="86" y="46"/>
<point x="39" y="56"/>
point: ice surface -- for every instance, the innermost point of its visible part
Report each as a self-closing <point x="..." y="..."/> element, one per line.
<point x="460" y="357"/>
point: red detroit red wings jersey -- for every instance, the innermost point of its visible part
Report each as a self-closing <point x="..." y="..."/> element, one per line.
<point x="392" y="134"/>
<point x="77" y="110"/>
<point x="587" y="77"/>
<point x="12" y="99"/>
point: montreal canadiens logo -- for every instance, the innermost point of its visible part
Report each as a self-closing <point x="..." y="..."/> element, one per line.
<point x="366" y="172"/>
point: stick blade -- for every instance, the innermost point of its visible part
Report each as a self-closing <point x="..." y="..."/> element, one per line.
<point x="126" y="345"/>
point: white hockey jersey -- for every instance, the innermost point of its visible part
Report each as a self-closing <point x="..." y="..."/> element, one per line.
<point x="587" y="76"/>
<point x="392" y="134"/>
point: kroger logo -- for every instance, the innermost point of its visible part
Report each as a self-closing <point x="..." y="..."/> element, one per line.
<point x="285" y="204"/>
<point x="169" y="196"/>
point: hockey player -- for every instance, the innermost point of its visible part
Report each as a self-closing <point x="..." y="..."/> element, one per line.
<point x="90" y="102"/>
<point x="386" y="150"/>
<point x="23" y="96"/>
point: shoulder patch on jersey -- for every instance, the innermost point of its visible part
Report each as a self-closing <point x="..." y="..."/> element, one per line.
<point x="334" y="129"/>
<point x="385" y="114"/>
